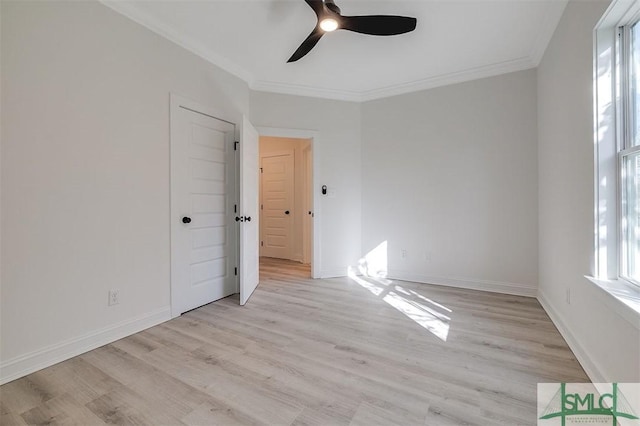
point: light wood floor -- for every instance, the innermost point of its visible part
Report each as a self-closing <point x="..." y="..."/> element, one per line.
<point x="271" y="268"/>
<point x="313" y="352"/>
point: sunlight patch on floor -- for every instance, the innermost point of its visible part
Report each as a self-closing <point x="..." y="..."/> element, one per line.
<point x="371" y="274"/>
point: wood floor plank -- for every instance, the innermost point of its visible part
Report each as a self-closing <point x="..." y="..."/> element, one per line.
<point x="62" y="410"/>
<point x="340" y="351"/>
<point x="24" y="394"/>
<point x="336" y="414"/>
<point x="148" y="380"/>
<point x="371" y="415"/>
<point x="7" y="417"/>
<point x="217" y="415"/>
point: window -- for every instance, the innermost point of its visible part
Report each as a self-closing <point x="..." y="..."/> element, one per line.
<point x="628" y="151"/>
<point x="617" y="144"/>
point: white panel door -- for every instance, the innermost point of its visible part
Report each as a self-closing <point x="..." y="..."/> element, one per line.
<point x="203" y="231"/>
<point x="277" y="204"/>
<point x="249" y="209"/>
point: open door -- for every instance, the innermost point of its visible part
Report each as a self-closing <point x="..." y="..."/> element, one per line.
<point x="204" y="249"/>
<point x="249" y="213"/>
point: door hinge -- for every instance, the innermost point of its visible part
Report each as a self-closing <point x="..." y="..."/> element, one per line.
<point x="261" y="206"/>
<point x="235" y="145"/>
<point x="261" y="243"/>
<point x="261" y="170"/>
<point x="235" y="272"/>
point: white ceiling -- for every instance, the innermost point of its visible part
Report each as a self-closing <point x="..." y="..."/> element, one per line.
<point x="454" y="41"/>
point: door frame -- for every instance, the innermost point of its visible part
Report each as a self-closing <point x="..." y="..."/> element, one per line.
<point x="314" y="139"/>
<point x="175" y="102"/>
<point x="307" y="221"/>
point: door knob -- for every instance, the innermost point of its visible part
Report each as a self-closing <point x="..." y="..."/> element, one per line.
<point x="247" y="218"/>
<point x="239" y="219"/>
<point x="286" y="212"/>
<point x="186" y="219"/>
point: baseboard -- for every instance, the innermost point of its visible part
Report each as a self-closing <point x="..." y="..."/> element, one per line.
<point x="593" y="371"/>
<point x="26" y="364"/>
<point x="334" y="272"/>
<point x="482" y="285"/>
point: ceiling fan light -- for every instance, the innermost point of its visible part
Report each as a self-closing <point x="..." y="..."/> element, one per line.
<point x="329" y="24"/>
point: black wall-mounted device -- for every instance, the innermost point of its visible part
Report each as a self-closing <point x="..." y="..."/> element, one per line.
<point x="324" y="189"/>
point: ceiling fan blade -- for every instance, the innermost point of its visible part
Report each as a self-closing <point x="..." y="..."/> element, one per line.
<point x="382" y="25"/>
<point x="316" y="5"/>
<point x="307" y="44"/>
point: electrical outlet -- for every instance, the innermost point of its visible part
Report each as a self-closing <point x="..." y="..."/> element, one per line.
<point x="114" y="297"/>
<point x="568" y="296"/>
<point x="404" y="253"/>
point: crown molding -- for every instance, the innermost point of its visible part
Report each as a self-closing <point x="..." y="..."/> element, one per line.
<point x="548" y="27"/>
<point x="450" y="78"/>
<point x="398" y="89"/>
<point x="193" y="46"/>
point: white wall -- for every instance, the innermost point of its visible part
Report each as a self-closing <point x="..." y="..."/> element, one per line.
<point x="85" y="174"/>
<point x="607" y="345"/>
<point x="337" y="148"/>
<point x="450" y="176"/>
<point x="269" y="145"/>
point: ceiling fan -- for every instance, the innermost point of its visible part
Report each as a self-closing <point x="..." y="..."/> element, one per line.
<point x="330" y="19"/>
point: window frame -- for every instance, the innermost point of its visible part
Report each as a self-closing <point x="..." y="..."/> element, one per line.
<point x="617" y="293"/>
<point x="624" y="133"/>
<point x="611" y="117"/>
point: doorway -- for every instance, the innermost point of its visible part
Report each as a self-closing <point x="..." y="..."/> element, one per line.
<point x="286" y="201"/>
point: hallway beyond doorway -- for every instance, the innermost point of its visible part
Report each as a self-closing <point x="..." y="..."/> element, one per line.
<point x="271" y="268"/>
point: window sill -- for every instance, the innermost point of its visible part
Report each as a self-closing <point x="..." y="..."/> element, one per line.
<point x="625" y="297"/>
